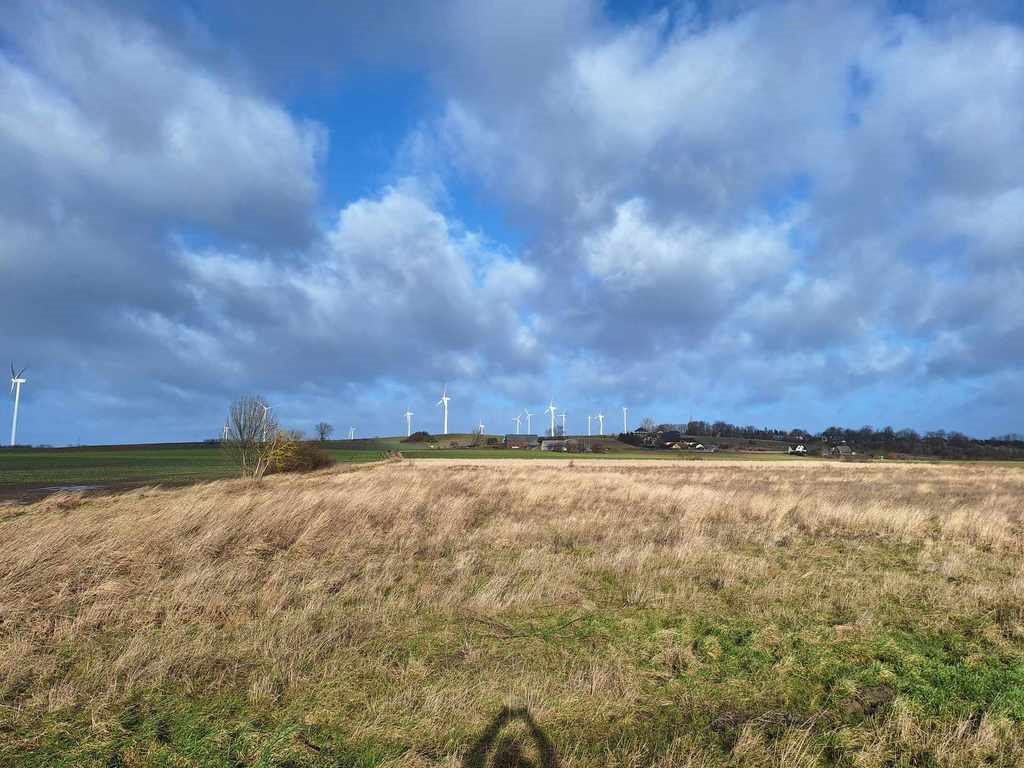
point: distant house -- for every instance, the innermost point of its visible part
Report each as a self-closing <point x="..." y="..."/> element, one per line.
<point x="671" y="436"/>
<point x="842" y="450"/>
<point x="521" y="441"/>
<point x="799" y="450"/>
<point x="555" y="445"/>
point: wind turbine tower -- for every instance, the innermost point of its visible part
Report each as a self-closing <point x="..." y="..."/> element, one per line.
<point x="551" y="410"/>
<point x="589" y="420"/>
<point x="481" y="427"/>
<point x="351" y="433"/>
<point x="600" y="423"/>
<point x="17" y="379"/>
<point x="518" y="419"/>
<point x="443" y="402"/>
<point x="408" y="422"/>
<point x="266" y="418"/>
<point x="563" y="425"/>
<point x="528" y="417"/>
<point x="625" y="422"/>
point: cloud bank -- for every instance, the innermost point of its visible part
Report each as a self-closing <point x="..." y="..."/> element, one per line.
<point x="737" y="210"/>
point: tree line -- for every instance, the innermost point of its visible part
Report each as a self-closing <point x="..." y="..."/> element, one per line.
<point x="867" y="439"/>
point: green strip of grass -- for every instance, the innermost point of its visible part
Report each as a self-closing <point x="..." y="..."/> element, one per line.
<point x="100" y="466"/>
<point x="702" y="681"/>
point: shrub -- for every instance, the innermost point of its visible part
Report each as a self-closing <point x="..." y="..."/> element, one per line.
<point x="304" y="457"/>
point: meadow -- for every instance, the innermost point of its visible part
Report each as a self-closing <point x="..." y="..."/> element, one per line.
<point x="628" y="613"/>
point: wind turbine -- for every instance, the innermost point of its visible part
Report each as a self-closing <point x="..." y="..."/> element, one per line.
<point x="481" y="427"/>
<point x="408" y="422"/>
<point x="551" y="410"/>
<point x="443" y="402"/>
<point x="625" y="423"/>
<point x="589" y="419"/>
<point x="225" y="431"/>
<point x="17" y="379"/>
<point x="351" y="433"/>
<point x="517" y="420"/>
<point x="600" y="423"/>
<point x="528" y="417"/>
<point x="266" y="413"/>
<point x="563" y="425"/>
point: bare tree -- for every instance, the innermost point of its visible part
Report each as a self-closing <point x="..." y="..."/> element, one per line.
<point x="252" y="437"/>
<point x="324" y="430"/>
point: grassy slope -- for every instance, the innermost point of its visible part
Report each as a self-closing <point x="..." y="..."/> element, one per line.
<point x="687" y="614"/>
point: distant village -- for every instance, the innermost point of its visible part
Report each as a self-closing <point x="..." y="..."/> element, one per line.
<point x="712" y="437"/>
<point x="834" y="442"/>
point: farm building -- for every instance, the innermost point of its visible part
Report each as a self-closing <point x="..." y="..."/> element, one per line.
<point x="521" y="441"/>
<point x="842" y="450"/>
<point x="798" y="450"/>
<point x="556" y="445"/>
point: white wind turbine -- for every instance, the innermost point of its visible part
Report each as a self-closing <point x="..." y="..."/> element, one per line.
<point x="443" y="402"/>
<point x="351" y="433"/>
<point x="625" y="422"/>
<point x="600" y="423"/>
<point x="528" y="417"/>
<point x="17" y="379"/>
<point x="481" y="427"/>
<point x="408" y="422"/>
<point x="589" y="420"/>
<point x="563" y="424"/>
<point x="518" y="419"/>
<point x="551" y="410"/>
<point x="266" y="418"/>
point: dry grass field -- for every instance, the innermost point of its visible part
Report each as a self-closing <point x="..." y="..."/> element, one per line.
<point x="647" y="613"/>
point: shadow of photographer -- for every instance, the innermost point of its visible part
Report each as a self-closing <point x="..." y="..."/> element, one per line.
<point x="504" y="750"/>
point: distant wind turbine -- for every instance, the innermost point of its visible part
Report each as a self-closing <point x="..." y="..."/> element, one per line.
<point x="600" y="423"/>
<point x="408" y="422"/>
<point x="625" y="422"/>
<point x="266" y="418"/>
<point x="528" y="417"/>
<point x="443" y="402"/>
<point x="563" y="424"/>
<point x="17" y="379"/>
<point x="551" y="410"/>
<point x="351" y="433"/>
<point x="517" y="420"/>
<point x="589" y="420"/>
<point x="481" y="427"/>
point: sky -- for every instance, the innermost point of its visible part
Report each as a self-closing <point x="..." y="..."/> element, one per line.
<point x="791" y="214"/>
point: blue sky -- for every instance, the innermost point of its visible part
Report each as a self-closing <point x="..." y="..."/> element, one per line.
<point x="779" y="213"/>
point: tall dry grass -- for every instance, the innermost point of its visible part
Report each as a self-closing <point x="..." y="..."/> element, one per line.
<point x="407" y="599"/>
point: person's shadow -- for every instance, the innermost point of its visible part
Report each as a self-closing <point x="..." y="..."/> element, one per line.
<point x="506" y="751"/>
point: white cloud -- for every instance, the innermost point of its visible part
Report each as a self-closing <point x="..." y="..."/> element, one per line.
<point x="394" y="287"/>
<point x="98" y="106"/>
